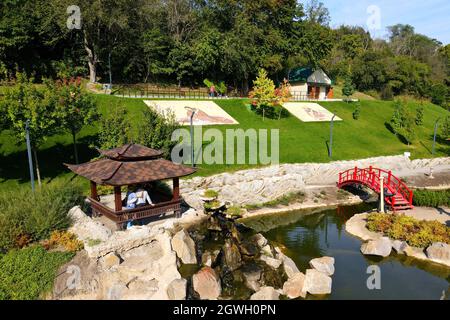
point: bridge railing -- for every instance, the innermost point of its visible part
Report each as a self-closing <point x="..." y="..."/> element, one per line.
<point x="371" y="177"/>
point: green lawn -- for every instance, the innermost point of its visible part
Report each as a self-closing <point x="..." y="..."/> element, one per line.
<point x="299" y="141"/>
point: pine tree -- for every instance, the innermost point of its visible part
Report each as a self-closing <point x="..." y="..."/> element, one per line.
<point x="348" y="88"/>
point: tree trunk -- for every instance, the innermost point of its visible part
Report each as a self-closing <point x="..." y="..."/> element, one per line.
<point x="75" y="146"/>
<point x="92" y="61"/>
<point x="38" y="172"/>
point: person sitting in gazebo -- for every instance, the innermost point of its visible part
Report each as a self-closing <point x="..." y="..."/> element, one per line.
<point x="131" y="199"/>
<point x="143" y="198"/>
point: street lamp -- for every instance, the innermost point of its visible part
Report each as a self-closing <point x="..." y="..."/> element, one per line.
<point x="30" y="160"/>
<point x="193" y="111"/>
<point x="330" y="151"/>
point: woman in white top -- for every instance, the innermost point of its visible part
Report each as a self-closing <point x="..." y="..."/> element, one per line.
<point x="142" y="198"/>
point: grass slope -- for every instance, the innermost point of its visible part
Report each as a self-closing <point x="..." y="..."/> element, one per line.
<point x="299" y="141"/>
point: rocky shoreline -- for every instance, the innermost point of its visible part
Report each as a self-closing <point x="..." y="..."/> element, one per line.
<point x="379" y="245"/>
<point x="144" y="262"/>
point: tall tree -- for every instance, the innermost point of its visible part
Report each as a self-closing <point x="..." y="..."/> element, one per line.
<point x="75" y="107"/>
<point x="25" y="102"/>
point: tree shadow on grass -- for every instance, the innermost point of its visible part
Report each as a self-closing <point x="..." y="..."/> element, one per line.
<point x="51" y="160"/>
<point x="399" y="136"/>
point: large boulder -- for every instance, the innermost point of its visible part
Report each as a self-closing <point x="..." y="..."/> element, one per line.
<point x="231" y="256"/>
<point x="271" y="262"/>
<point x="184" y="246"/>
<point x="207" y="284"/>
<point x="380" y="247"/>
<point x="317" y="282"/>
<point x="252" y="275"/>
<point x="439" y="251"/>
<point x="266" y="293"/>
<point x="324" y="264"/>
<point x="109" y="261"/>
<point x="209" y="258"/>
<point x="176" y="290"/>
<point x="259" y="240"/>
<point x="294" y="287"/>
<point x="289" y="266"/>
<point x="399" y="246"/>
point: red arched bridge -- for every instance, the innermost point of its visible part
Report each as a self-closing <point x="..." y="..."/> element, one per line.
<point x="398" y="195"/>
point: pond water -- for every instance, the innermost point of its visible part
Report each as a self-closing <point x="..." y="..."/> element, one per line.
<point x="308" y="234"/>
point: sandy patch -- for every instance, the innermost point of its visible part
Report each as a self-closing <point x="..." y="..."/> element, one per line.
<point x="309" y="112"/>
<point x="208" y="112"/>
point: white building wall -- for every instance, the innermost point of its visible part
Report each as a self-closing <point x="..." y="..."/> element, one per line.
<point x="299" y="89"/>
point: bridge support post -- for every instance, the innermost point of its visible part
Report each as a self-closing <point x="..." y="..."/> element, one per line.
<point x="381" y="195"/>
<point x="389" y="178"/>
<point x="354" y="173"/>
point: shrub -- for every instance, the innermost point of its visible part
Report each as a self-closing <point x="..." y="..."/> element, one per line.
<point x="210" y="193"/>
<point x="234" y="211"/>
<point x="416" y="233"/>
<point x="64" y="239"/>
<point x="357" y="111"/>
<point x="27" y="217"/>
<point x="29" y="273"/>
<point x="431" y="198"/>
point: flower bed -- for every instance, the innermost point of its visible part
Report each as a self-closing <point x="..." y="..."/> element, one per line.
<point x="416" y="233"/>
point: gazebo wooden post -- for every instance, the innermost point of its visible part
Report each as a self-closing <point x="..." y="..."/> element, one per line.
<point x="176" y="189"/>
<point x="176" y="193"/>
<point x="118" y="198"/>
<point x="94" y="194"/>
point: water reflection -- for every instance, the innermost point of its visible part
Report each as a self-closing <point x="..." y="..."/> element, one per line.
<point x="308" y="234"/>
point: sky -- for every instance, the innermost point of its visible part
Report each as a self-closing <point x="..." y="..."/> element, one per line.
<point x="429" y="17"/>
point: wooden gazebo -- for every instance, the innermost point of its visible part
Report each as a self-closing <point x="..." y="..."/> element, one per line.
<point x="132" y="164"/>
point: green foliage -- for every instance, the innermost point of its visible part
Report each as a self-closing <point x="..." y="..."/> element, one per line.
<point x="75" y="107"/>
<point x="417" y="233"/>
<point x="431" y="198"/>
<point x="439" y="94"/>
<point x="266" y="98"/>
<point x="234" y="211"/>
<point x="29" y="273"/>
<point x="210" y="193"/>
<point x="348" y="88"/>
<point x="445" y="131"/>
<point x="356" y="113"/>
<point x="115" y="130"/>
<point x="403" y="122"/>
<point x="419" y="115"/>
<point x="25" y="101"/>
<point x="155" y="130"/>
<point x="27" y="217"/>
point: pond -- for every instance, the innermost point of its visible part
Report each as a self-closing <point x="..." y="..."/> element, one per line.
<point x="308" y="234"/>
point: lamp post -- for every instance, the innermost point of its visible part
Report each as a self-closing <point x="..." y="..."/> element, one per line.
<point x="30" y="160"/>
<point x="193" y="111"/>
<point x="330" y="151"/>
<point x="434" y="137"/>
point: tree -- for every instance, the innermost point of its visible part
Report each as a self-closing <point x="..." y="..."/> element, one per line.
<point x="316" y="12"/>
<point x="357" y="111"/>
<point x="445" y="132"/>
<point x="419" y="115"/>
<point x="402" y="122"/>
<point x="348" y="89"/>
<point x="75" y="107"/>
<point x="155" y="130"/>
<point x="115" y="130"/>
<point x="263" y="93"/>
<point x="25" y="102"/>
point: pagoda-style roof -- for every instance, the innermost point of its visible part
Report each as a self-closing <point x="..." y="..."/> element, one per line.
<point x="130" y="164"/>
<point x="131" y="151"/>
